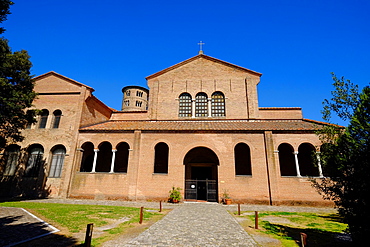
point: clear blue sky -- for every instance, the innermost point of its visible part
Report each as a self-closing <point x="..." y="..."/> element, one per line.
<point x="114" y="43"/>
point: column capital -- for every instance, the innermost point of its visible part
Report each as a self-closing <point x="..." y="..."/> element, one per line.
<point x="96" y="150"/>
<point x="114" y="150"/>
<point x="295" y="152"/>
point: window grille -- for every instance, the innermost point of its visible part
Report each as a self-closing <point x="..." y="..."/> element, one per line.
<point x="57" y="162"/>
<point x="12" y="153"/>
<point x="185" y="105"/>
<point x="34" y="162"/>
<point x="201" y="105"/>
<point x="218" y="104"/>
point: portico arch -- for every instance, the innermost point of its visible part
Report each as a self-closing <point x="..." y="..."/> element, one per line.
<point x="201" y="174"/>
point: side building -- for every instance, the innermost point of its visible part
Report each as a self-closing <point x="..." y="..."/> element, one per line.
<point x="42" y="164"/>
<point x="198" y="127"/>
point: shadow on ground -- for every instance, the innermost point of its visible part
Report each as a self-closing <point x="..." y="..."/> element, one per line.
<point x="315" y="237"/>
<point x="12" y="231"/>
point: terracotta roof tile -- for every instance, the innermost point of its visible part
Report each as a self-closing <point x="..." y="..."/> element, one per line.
<point x="206" y="125"/>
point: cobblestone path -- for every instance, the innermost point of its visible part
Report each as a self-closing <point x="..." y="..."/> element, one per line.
<point x="195" y="224"/>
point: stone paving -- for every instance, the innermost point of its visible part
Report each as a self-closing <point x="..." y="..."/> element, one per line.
<point x="194" y="224"/>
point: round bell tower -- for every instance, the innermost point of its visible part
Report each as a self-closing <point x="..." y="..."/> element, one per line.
<point x="135" y="98"/>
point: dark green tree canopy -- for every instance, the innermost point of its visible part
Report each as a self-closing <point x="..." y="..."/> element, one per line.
<point x="4" y="11"/>
<point x="16" y="88"/>
<point x="345" y="157"/>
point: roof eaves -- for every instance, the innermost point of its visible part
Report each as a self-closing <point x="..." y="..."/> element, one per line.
<point x="322" y="123"/>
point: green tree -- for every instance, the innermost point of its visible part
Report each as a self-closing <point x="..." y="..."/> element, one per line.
<point x="4" y="11"/>
<point x="16" y="88"/>
<point x="345" y="155"/>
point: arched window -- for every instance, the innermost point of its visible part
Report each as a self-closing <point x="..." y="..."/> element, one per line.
<point x="87" y="157"/>
<point x="242" y="156"/>
<point x="305" y="160"/>
<point x="201" y="105"/>
<point x="34" y="162"/>
<point x="104" y="159"/>
<point x="12" y="153"/>
<point x="57" y="161"/>
<point x="185" y="105"/>
<point x="286" y="160"/>
<point x="121" y="159"/>
<point x="218" y="104"/>
<point x="57" y="115"/>
<point x="29" y="124"/>
<point x="43" y="118"/>
<point x="161" y="158"/>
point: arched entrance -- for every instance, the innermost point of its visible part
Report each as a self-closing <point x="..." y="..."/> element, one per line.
<point x="201" y="174"/>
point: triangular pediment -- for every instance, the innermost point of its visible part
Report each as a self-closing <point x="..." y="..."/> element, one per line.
<point x="206" y="64"/>
<point x="53" y="82"/>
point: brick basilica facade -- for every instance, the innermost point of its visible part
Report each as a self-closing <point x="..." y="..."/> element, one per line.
<point x="197" y="127"/>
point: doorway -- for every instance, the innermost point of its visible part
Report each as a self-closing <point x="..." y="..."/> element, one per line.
<point x="201" y="175"/>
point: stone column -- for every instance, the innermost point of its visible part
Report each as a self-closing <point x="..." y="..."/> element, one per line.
<point x="296" y="163"/>
<point x="113" y="159"/>
<point x="319" y="164"/>
<point x="209" y="107"/>
<point x="193" y="108"/>
<point x="95" y="158"/>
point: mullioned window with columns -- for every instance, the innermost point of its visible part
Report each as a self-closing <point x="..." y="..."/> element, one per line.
<point x="202" y="106"/>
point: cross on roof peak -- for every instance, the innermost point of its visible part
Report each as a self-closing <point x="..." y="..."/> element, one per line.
<point x="201" y="47"/>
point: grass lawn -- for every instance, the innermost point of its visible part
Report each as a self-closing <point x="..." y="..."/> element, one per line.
<point x="73" y="218"/>
<point x="321" y="229"/>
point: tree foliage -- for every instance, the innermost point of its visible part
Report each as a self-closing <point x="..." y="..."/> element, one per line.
<point x="16" y="88"/>
<point x="4" y="11"/>
<point x="345" y="156"/>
